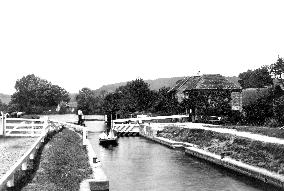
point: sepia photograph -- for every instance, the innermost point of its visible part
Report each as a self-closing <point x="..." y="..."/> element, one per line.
<point x="130" y="95"/>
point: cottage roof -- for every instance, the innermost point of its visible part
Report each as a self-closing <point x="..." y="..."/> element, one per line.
<point x="207" y="81"/>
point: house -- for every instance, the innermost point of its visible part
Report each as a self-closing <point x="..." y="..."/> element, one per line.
<point x="206" y="93"/>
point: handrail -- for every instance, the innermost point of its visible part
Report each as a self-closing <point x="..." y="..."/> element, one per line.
<point x="8" y="178"/>
<point x="11" y="125"/>
<point x="151" y="118"/>
<point x="24" y="119"/>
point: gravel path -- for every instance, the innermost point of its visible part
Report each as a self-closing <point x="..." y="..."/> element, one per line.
<point x="257" y="137"/>
<point x="216" y="128"/>
<point x="11" y="149"/>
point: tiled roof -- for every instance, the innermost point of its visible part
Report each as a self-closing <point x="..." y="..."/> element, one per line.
<point x="207" y="81"/>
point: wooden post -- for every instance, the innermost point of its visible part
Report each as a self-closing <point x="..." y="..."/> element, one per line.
<point x="2" y="124"/>
<point x="45" y="124"/>
<point x="10" y="183"/>
<point x="24" y="166"/>
<point x="84" y="136"/>
<point x="32" y="156"/>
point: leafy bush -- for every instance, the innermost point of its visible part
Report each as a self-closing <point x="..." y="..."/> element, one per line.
<point x="271" y="122"/>
<point x="257" y="112"/>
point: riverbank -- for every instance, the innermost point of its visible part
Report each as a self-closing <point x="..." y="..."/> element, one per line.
<point x="253" y="152"/>
<point x="253" y="158"/>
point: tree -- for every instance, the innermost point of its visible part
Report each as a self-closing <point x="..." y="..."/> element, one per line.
<point x="35" y="95"/>
<point x="258" y="78"/>
<point x="258" y="111"/>
<point x="164" y="104"/>
<point x="208" y="103"/>
<point x="277" y="69"/>
<point x="88" y="101"/>
<point x="3" y="106"/>
<point x="135" y="96"/>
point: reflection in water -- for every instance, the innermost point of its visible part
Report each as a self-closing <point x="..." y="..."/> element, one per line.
<point x="139" y="164"/>
<point x="108" y="145"/>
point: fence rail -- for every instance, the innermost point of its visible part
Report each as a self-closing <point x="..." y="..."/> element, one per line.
<point x="20" y="127"/>
<point x="8" y="179"/>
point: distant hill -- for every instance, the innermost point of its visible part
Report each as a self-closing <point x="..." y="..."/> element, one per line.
<point x="155" y="84"/>
<point x="5" y="98"/>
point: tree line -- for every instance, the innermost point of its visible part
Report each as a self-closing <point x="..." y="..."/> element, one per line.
<point x="133" y="98"/>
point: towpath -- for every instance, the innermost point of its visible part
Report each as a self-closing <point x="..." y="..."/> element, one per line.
<point x="249" y="135"/>
<point x="258" y="137"/>
<point x="11" y="149"/>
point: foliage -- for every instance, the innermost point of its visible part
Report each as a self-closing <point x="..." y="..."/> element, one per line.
<point x="164" y="104"/>
<point x="135" y="96"/>
<point x="271" y="122"/>
<point x="267" y="108"/>
<point x="209" y="102"/>
<point x="258" y="78"/>
<point x="277" y="69"/>
<point x="3" y="106"/>
<point x="250" y="95"/>
<point x="279" y="110"/>
<point x="63" y="107"/>
<point x="257" y="112"/>
<point x="89" y="102"/>
<point x="35" y="95"/>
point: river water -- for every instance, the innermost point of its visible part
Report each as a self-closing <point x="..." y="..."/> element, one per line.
<point x="138" y="164"/>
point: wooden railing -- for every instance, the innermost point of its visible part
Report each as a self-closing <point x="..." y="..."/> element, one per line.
<point x="24" y="127"/>
<point x="8" y="179"/>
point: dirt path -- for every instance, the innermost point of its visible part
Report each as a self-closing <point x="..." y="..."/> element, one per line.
<point x="249" y="135"/>
<point x="11" y="149"/>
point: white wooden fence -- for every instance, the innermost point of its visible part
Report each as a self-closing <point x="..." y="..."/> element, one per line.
<point x="19" y="127"/>
<point x="8" y="179"/>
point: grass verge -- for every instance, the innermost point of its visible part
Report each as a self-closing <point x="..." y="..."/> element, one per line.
<point x="265" y="155"/>
<point x="63" y="164"/>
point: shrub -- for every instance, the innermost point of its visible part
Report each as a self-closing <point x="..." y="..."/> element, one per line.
<point x="271" y="122"/>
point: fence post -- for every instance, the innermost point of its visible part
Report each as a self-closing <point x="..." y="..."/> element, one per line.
<point x="84" y="136"/>
<point x="45" y="125"/>
<point x="2" y="125"/>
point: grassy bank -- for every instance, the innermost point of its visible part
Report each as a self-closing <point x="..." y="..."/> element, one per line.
<point x="63" y="164"/>
<point x="256" y="153"/>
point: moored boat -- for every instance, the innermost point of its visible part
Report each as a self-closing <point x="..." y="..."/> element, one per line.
<point x="108" y="138"/>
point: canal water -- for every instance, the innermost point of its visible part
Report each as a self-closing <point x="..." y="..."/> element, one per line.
<point x="137" y="164"/>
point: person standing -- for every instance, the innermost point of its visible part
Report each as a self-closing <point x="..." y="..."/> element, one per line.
<point x="80" y="117"/>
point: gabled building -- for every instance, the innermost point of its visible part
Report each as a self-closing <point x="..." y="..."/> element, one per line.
<point x="210" y="88"/>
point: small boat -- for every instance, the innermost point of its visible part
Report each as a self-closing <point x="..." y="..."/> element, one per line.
<point x="108" y="138"/>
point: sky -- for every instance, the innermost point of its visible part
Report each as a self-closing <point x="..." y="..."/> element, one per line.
<point x="90" y="43"/>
